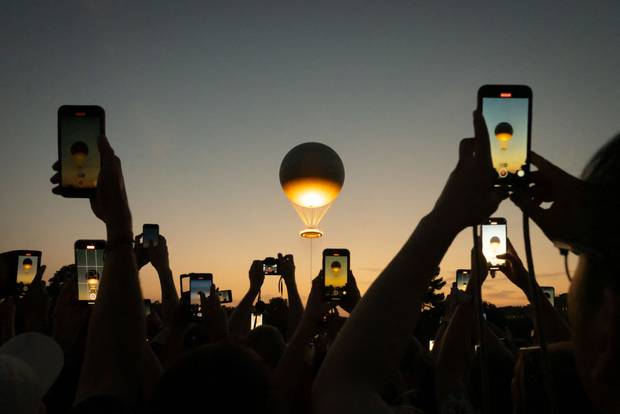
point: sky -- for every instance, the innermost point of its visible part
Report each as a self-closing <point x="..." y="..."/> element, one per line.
<point x="204" y="98"/>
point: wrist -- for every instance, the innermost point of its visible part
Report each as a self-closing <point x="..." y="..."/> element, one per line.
<point x="254" y="290"/>
<point x="119" y="235"/>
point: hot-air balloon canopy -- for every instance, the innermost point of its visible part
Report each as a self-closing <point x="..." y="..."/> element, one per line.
<point x="311" y="175"/>
<point x="79" y="151"/>
<point x="27" y="264"/>
<point x="503" y="133"/>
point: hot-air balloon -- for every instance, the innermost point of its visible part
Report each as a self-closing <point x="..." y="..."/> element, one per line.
<point x="27" y="264"/>
<point x="503" y="133"/>
<point x="79" y="153"/>
<point x="311" y="175"/>
<point x="495" y="243"/>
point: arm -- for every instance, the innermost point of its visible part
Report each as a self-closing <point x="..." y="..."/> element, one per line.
<point x="169" y="297"/>
<point x="295" y="307"/>
<point x="554" y="326"/>
<point x="289" y="372"/>
<point x="456" y="351"/>
<point x="239" y="321"/>
<point x="372" y="342"/>
<point x="114" y="356"/>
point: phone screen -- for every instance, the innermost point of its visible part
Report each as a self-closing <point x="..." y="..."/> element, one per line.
<point x="336" y="270"/>
<point x="79" y="154"/>
<point x="225" y="296"/>
<point x="270" y="266"/>
<point x="462" y="279"/>
<point x="150" y="235"/>
<point x="549" y="292"/>
<point x="507" y="119"/>
<point x="196" y="286"/>
<point x="184" y="283"/>
<point x="494" y="242"/>
<point x="27" y="266"/>
<point x="89" y="263"/>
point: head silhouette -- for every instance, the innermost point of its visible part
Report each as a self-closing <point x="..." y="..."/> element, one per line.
<point x="215" y="379"/>
<point x="594" y="297"/>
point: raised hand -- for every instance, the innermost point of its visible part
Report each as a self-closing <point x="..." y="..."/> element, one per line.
<point x="214" y="315"/>
<point x="110" y="203"/>
<point x="317" y="306"/>
<point x="513" y="268"/>
<point x="159" y="255"/>
<point x="7" y="320"/>
<point x="142" y="256"/>
<point x="35" y="304"/>
<point x="70" y="317"/>
<point x="563" y="221"/>
<point x="257" y="276"/>
<point x="286" y="266"/>
<point x="353" y="295"/>
<point x="469" y="195"/>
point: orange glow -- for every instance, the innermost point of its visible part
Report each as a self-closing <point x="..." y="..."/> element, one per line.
<point x="311" y="233"/>
<point x="503" y="138"/>
<point x="505" y="95"/>
<point x="311" y="192"/>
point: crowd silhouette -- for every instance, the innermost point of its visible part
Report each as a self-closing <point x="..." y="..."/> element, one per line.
<point x="62" y="355"/>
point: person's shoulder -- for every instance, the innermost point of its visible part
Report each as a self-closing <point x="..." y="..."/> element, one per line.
<point x="101" y="404"/>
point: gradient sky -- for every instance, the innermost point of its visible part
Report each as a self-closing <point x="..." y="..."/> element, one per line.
<point x="204" y="98"/>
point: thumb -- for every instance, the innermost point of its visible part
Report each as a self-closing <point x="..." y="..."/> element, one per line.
<point x="39" y="276"/>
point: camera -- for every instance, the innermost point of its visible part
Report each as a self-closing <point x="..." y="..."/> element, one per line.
<point x="270" y="266"/>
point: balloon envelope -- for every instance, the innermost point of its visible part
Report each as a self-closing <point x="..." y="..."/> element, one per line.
<point x="311" y="174"/>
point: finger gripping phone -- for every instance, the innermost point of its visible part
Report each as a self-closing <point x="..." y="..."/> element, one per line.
<point x="507" y="111"/>
<point x="462" y="278"/>
<point x="89" y="261"/>
<point x="150" y="235"/>
<point x="336" y="265"/>
<point x="494" y="241"/>
<point x="79" y="127"/>
<point x="549" y="292"/>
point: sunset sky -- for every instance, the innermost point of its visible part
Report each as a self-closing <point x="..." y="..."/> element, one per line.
<point x="203" y="99"/>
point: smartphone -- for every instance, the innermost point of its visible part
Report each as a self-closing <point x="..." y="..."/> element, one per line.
<point x="270" y="266"/>
<point x="462" y="278"/>
<point x="225" y="296"/>
<point x="199" y="282"/>
<point x="78" y="152"/>
<point x="507" y="111"/>
<point x="150" y="235"/>
<point x="17" y="271"/>
<point x="549" y="292"/>
<point x="336" y="265"/>
<point x="89" y="259"/>
<point x="147" y="307"/>
<point x="494" y="241"/>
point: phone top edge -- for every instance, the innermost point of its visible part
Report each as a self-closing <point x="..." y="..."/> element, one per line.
<point x="83" y="242"/>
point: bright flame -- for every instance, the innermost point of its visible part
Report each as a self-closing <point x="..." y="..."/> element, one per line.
<point x="311" y="192"/>
<point x="503" y="138"/>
